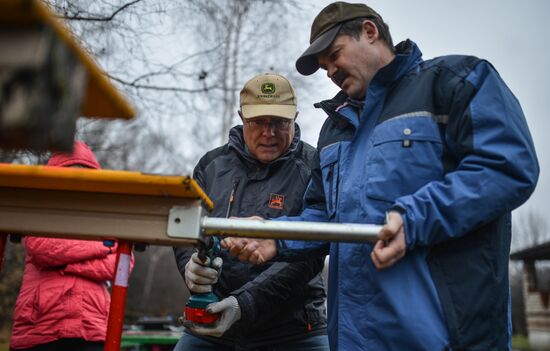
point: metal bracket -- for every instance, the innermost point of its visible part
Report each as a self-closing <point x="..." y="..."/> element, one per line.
<point x="185" y="222"/>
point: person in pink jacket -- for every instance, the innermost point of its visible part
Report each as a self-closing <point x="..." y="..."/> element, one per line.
<point x="64" y="303"/>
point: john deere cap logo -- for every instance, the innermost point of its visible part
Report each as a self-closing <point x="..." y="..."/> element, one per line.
<point x="268" y="88"/>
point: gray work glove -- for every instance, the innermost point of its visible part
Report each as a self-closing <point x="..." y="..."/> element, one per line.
<point x="230" y="312"/>
<point x="200" y="276"/>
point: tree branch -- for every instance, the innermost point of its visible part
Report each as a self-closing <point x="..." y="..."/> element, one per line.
<point x="169" y="69"/>
<point x="157" y="87"/>
<point x="77" y="17"/>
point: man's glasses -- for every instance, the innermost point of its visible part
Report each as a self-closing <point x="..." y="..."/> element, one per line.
<point x="274" y="123"/>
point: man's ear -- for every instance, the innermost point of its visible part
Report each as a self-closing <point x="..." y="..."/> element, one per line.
<point x="371" y="30"/>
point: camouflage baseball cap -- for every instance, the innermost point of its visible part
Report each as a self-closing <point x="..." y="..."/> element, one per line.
<point x="268" y="95"/>
<point x="324" y="29"/>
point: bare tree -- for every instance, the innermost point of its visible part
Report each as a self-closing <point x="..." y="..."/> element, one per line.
<point x="530" y="228"/>
<point x="249" y="37"/>
<point x="186" y="89"/>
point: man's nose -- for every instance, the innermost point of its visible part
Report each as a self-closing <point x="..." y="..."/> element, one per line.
<point x="331" y="70"/>
<point x="269" y="129"/>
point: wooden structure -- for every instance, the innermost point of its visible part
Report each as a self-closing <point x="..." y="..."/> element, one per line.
<point x="92" y="204"/>
<point x="47" y="80"/>
<point x="536" y="294"/>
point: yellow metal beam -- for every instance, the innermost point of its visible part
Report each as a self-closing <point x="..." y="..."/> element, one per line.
<point x="93" y="204"/>
<point x="100" y="181"/>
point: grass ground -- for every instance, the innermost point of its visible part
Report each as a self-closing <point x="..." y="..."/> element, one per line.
<point x="4" y="337"/>
<point x="518" y="343"/>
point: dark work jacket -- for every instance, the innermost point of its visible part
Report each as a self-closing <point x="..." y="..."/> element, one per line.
<point x="279" y="301"/>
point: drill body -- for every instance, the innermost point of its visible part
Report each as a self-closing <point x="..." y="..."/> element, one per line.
<point x="195" y="309"/>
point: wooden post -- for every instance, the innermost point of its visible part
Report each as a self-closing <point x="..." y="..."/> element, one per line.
<point x="3" y="238"/>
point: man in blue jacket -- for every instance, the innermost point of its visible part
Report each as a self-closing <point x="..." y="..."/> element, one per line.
<point x="440" y="146"/>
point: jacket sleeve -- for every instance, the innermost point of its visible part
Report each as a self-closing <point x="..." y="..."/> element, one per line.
<point x="497" y="167"/>
<point x="50" y="252"/>
<point x="260" y="298"/>
<point x="99" y="269"/>
<point x="314" y="211"/>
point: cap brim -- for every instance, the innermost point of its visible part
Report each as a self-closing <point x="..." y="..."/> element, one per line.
<point x="307" y="63"/>
<point x="283" y="111"/>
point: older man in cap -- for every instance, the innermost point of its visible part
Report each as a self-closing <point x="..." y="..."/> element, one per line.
<point x="439" y="148"/>
<point x="263" y="170"/>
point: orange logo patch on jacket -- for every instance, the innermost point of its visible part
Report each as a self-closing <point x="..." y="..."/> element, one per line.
<point x="276" y="201"/>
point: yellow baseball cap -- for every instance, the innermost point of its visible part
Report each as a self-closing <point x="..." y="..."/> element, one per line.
<point x="268" y="94"/>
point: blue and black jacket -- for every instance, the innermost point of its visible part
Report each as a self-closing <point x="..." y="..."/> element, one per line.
<point x="445" y="143"/>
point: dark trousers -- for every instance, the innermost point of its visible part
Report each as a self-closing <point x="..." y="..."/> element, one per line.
<point x="68" y="345"/>
<point x="190" y="342"/>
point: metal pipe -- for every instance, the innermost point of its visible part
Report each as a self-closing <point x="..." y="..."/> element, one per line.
<point x="314" y="231"/>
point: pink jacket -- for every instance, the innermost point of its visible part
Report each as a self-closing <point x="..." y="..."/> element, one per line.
<point x="64" y="292"/>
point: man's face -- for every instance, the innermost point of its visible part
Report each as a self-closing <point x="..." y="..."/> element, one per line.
<point x="351" y="63"/>
<point x="268" y="137"/>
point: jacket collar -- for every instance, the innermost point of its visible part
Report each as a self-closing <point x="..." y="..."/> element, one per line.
<point x="407" y="56"/>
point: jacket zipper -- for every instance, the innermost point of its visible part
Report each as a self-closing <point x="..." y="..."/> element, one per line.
<point x="231" y="198"/>
<point x="330" y="180"/>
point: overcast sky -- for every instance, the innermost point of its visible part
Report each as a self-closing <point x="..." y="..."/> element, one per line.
<point x="512" y="35"/>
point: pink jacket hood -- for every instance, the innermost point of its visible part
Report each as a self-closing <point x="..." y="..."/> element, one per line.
<point x="81" y="155"/>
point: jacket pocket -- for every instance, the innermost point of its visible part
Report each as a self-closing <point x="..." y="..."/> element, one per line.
<point x="476" y="312"/>
<point x="26" y="307"/>
<point x="51" y="300"/>
<point x="330" y="170"/>
<point x="406" y="154"/>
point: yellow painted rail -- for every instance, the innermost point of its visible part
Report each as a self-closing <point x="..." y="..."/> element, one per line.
<point x="100" y="181"/>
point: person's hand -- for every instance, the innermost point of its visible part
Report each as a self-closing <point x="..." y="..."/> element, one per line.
<point x="199" y="276"/>
<point x="234" y="245"/>
<point x="230" y="313"/>
<point x="256" y="251"/>
<point x="391" y="246"/>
